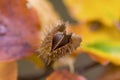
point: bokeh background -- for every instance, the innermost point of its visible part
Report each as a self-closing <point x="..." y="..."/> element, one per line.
<point x="100" y="33"/>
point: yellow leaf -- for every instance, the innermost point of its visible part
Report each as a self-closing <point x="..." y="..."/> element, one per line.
<point x="105" y="10"/>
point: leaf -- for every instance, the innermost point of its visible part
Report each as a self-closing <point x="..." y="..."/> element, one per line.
<point x="64" y="75"/>
<point x="36" y="61"/>
<point x="19" y="29"/>
<point x="103" y="44"/>
<point x="94" y="9"/>
<point x="105" y="50"/>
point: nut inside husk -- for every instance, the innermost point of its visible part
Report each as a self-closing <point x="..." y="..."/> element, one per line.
<point x="57" y="43"/>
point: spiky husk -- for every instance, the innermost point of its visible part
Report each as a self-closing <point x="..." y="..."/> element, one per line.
<point x="49" y="56"/>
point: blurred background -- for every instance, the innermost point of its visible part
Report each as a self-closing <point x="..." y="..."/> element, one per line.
<point x="98" y="23"/>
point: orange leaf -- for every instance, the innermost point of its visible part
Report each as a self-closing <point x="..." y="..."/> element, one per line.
<point x="64" y="75"/>
<point x="18" y="29"/>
